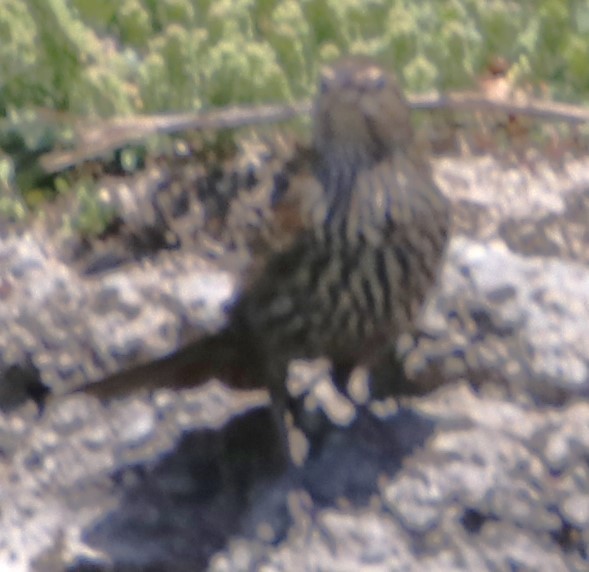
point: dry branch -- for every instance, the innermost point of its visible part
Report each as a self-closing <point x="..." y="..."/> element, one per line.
<point x="95" y="140"/>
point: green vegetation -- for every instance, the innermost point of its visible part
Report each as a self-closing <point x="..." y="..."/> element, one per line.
<point x="120" y="57"/>
<point x="125" y="56"/>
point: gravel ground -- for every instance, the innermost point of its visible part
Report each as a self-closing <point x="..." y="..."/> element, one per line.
<point x="486" y="469"/>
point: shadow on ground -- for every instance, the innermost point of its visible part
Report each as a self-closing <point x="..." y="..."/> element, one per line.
<point x="176" y="513"/>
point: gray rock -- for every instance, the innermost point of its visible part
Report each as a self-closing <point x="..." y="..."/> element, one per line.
<point x="488" y="472"/>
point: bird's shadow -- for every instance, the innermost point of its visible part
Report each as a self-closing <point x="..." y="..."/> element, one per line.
<point x="175" y="514"/>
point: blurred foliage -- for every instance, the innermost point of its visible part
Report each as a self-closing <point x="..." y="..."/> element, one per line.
<point x="119" y="57"/>
<point x="125" y="56"/>
<point x="92" y="215"/>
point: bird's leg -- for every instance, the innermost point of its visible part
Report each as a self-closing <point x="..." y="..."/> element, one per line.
<point x="340" y="375"/>
<point x="314" y="422"/>
<point x="253" y="450"/>
<point x="390" y="377"/>
<point x="278" y="413"/>
<point x="275" y="378"/>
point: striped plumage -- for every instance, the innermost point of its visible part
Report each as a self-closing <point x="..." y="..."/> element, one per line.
<point x="355" y="275"/>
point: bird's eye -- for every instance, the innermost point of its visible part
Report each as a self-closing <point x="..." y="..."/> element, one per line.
<point x="374" y="78"/>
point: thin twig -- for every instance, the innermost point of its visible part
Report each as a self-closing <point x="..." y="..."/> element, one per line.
<point x="540" y="109"/>
<point x="95" y="140"/>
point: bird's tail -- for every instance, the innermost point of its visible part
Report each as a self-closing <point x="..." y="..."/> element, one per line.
<point x="214" y="356"/>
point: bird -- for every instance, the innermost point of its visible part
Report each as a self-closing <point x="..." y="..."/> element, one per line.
<point x="369" y="239"/>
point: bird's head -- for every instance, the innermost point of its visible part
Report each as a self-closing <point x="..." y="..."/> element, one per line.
<point x="360" y="113"/>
